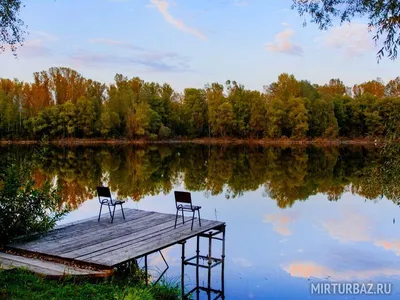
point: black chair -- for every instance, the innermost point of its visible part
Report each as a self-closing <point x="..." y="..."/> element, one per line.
<point x="105" y="198"/>
<point x="183" y="202"/>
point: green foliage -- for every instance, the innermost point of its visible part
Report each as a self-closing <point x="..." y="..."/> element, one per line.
<point x="24" y="208"/>
<point x="62" y="104"/>
<point x="20" y="284"/>
<point x="195" y="112"/>
<point x="298" y="119"/>
<point x="164" y="133"/>
<point x="11" y="26"/>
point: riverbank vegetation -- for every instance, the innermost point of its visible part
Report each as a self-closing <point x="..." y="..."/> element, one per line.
<point x="24" y="207"/>
<point x="20" y="284"/>
<point x="60" y="103"/>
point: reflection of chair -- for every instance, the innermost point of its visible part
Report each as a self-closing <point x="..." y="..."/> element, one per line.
<point x="183" y="202"/>
<point x="105" y="198"/>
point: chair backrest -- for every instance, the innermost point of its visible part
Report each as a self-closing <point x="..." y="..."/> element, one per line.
<point x="182" y="197"/>
<point x="103" y="192"/>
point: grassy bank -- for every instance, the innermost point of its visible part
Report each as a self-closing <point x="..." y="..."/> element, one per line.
<point x="204" y="141"/>
<point x="20" y="284"/>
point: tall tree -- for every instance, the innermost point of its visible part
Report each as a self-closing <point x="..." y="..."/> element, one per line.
<point x="195" y="110"/>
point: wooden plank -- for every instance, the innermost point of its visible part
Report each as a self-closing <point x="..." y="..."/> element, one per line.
<point x="77" y="229"/>
<point x="43" y="267"/>
<point x="87" y="237"/>
<point x="104" y="214"/>
<point x="145" y="246"/>
<point x="114" y="244"/>
<point x="109" y="244"/>
<point x="47" y="241"/>
<point x="38" y="270"/>
<point x="151" y="234"/>
<point x="90" y="239"/>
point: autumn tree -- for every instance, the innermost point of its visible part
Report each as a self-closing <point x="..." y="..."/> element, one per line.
<point x="373" y="87"/>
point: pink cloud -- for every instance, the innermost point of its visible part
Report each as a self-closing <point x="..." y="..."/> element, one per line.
<point x="283" y="44"/>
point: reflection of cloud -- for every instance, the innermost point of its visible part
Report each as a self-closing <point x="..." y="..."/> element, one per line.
<point x="311" y="269"/>
<point x="241" y="261"/>
<point x="156" y="258"/>
<point x="351" y="227"/>
<point x="281" y="222"/>
<point x="283" y="44"/>
<point x="162" y="6"/>
<point x="389" y="245"/>
<point x="354" y="39"/>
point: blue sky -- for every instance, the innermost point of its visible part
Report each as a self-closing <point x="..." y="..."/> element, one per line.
<point x="189" y="43"/>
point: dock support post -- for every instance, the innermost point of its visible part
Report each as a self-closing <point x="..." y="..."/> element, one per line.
<point x="197" y="267"/>
<point x="183" y="270"/>
<point x="223" y="263"/>
<point x="145" y="270"/>
<point x="210" y="236"/>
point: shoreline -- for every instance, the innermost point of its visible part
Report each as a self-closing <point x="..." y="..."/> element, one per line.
<point x="203" y="141"/>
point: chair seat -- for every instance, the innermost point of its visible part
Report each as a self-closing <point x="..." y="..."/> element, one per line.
<point x="188" y="207"/>
<point x="108" y="202"/>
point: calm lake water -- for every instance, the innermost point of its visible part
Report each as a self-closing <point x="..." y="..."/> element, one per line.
<point x="294" y="215"/>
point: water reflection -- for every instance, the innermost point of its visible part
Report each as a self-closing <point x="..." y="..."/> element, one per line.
<point x="288" y="174"/>
<point x="295" y="215"/>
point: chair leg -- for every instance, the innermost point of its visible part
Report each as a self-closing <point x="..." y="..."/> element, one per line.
<point x="109" y="210"/>
<point x="176" y="217"/>
<point x="122" y="211"/>
<point x="198" y="212"/>
<point x="101" y="206"/>
<point x="112" y="218"/>
<point x="192" y="220"/>
<point x="183" y="217"/>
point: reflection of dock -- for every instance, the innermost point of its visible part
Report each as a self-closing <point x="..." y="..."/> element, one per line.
<point x="104" y="246"/>
<point x="207" y="262"/>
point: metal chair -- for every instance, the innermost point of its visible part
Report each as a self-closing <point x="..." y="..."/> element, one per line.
<point x="105" y="198"/>
<point x="183" y="202"/>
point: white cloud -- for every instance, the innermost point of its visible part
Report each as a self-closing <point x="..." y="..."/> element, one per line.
<point x="119" y="43"/>
<point x="163" y="6"/>
<point x="354" y="39"/>
<point x="136" y="56"/>
<point x="283" y="44"/>
<point x="36" y="45"/>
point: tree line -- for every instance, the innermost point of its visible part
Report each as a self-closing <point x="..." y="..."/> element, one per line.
<point x="284" y="174"/>
<point x="61" y="103"/>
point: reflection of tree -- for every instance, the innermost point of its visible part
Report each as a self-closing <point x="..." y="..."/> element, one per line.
<point x="285" y="175"/>
<point x="380" y="176"/>
<point x="76" y="171"/>
<point x="288" y="174"/>
<point x="141" y="172"/>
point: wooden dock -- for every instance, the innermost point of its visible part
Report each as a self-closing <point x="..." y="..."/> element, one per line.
<point x="105" y="246"/>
